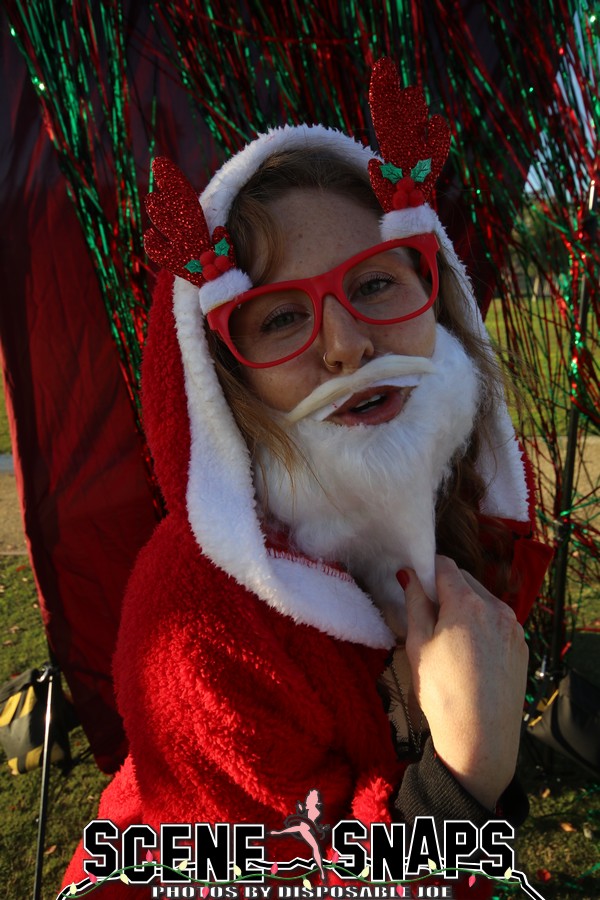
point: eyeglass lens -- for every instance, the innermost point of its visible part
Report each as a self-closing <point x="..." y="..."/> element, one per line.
<point x="381" y="288"/>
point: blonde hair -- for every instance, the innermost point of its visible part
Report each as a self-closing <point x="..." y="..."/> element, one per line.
<point x="474" y="543"/>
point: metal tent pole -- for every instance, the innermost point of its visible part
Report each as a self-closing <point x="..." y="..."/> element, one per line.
<point x="49" y="673"/>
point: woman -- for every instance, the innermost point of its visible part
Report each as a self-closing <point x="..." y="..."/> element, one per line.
<point x="317" y="444"/>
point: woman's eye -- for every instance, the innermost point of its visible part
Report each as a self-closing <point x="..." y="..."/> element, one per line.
<point x="374" y="284"/>
<point x="282" y="318"/>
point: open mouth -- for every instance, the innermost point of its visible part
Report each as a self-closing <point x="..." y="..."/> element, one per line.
<point x="369" y="403"/>
<point x="379" y="376"/>
<point x="372" y="406"/>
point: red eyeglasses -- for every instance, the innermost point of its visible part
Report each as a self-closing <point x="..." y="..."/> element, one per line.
<point x="383" y="285"/>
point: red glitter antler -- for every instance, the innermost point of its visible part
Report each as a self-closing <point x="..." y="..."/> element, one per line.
<point x="413" y="147"/>
<point x="180" y="240"/>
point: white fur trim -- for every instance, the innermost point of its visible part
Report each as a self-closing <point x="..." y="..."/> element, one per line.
<point x="227" y="286"/>
<point x="330" y="602"/>
<point x="503" y="470"/>
<point x="220" y="492"/>
<point x="405" y="222"/>
<point x="221" y="506"/>
<point x="224" y="187"/>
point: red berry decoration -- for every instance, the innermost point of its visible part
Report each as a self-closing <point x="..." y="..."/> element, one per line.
<point x="400" y="200"/>
<point x="407" y="194"/>
<point x="416" y="197"/>
<point x="210" y="272"/>
<point x="223" y="263"/>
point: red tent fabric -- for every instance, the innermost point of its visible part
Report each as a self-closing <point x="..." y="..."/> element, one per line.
<point x="86" y="502"/>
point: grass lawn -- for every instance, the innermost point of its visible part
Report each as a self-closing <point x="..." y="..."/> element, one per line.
<point x="543" y="357"/>
<point x="73" y="799"/>
<point x="5" y="446"/>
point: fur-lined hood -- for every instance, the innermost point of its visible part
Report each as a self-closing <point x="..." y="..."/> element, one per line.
<point x="202" y="462"/>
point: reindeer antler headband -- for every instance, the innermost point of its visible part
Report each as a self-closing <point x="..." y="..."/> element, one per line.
<point x="413" y="151"/>
<point x="414" y="148"/>
<point x="180" y="240"/>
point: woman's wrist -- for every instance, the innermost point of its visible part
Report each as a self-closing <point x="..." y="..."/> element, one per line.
<point x="481" y="783"/>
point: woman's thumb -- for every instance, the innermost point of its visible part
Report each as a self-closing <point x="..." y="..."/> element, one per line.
<point x="420" y="611"/>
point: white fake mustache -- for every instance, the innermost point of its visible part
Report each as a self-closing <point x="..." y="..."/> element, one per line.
<point x="392" y="371"/>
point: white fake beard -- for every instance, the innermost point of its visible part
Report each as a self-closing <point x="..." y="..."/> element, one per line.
<point x="371" y="506"/>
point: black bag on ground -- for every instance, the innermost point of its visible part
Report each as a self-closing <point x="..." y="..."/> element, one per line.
<point x="568" y="721"/>
<point x="23" y="702"/>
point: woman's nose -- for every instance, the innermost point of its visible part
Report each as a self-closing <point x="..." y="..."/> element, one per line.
<point x="346" y="341"/>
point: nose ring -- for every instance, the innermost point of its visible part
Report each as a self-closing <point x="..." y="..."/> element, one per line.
<point x="328" y="365"/>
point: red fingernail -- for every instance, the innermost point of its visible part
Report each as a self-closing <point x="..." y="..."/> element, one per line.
<point x="403" y="578"/>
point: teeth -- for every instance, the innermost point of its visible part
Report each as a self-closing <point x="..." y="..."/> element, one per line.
<point x="319" y="412"/>
<point x="370" y="400"/>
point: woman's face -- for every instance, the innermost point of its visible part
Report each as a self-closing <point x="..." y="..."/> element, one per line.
<point x="322" y="230"/>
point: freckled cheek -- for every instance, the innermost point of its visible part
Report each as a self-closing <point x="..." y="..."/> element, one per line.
<point x="277" y="388"/>
<point x="415" y="337"/>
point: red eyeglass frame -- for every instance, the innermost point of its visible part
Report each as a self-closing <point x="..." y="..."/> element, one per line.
<point x="319" y="286"/>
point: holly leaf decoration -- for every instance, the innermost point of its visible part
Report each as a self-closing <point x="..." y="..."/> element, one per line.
<point x="421" y="170"/>
<point x="391" y="172"/>
<point x="222" y="248"/>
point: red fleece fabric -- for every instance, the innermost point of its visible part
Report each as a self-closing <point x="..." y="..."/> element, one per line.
<point x="233" y="711"/>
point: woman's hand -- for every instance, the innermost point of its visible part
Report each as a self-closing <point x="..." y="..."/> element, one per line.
<point x="468" y="660"/>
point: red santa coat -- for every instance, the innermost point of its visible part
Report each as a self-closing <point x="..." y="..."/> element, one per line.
<point x="243" y="684"/>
